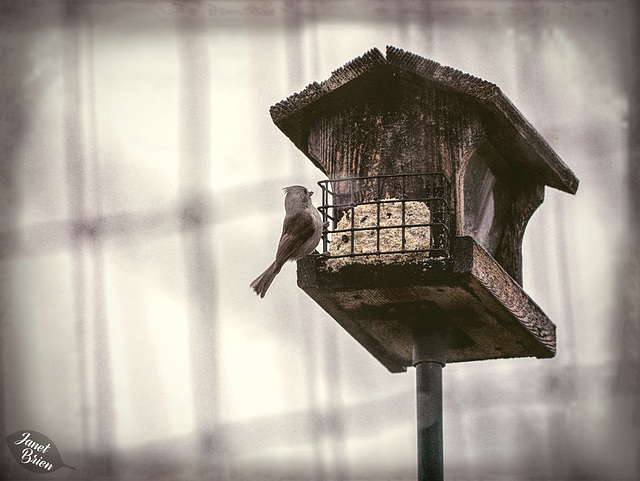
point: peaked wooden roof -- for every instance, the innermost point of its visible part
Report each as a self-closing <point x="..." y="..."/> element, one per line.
<point x="507" y="129"/>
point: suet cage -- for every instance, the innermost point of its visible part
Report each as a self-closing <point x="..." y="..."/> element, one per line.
<point x="378" y="216"/>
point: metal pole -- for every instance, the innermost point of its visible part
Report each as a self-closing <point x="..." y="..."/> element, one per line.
<point x="429" y="357"/>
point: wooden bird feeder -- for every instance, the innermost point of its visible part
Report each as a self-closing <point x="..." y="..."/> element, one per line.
<point x="433" y="175"/>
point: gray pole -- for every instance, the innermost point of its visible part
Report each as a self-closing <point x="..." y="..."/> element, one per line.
<point x="429" y="357"/>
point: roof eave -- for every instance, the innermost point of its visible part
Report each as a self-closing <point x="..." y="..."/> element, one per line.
<point x="535" y="151"/>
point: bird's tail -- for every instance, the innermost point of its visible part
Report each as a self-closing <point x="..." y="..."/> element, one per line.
<point x="264" y="280"/>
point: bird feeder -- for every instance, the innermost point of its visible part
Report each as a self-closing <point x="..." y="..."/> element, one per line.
<point x="432" y="176"/>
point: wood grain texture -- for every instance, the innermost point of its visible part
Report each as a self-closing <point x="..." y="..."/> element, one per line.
<point x="492" y="283"/>
<point x="373" y="75"/>
<point x="489" y="315"/>
<point x="498" y="200"/>
<point x="527" y="197"/>
<point x="419" y="129"/>
<point x="506" y="125"/>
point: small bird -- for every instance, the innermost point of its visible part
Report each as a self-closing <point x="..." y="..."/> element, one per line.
<point x="301" y="232"/>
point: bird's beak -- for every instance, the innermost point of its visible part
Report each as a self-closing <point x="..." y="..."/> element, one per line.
<point x="310" y="193"/>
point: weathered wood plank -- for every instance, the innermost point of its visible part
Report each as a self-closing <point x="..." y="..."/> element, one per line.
<point x="507" y="128"/>
<point x="528" y="196"/>
<point x="531" y="149"/>
<point x="490" y="316"/>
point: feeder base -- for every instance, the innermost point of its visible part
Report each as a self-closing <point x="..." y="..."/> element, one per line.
<point x="489" y="315"/>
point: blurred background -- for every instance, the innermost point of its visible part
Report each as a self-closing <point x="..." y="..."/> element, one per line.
<point x="141" y="192"/>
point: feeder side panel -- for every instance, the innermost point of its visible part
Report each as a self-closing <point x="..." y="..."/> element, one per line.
<point x="418" y="129"/>
<point x="528" y="197"/>
<point x="485" y="194"/>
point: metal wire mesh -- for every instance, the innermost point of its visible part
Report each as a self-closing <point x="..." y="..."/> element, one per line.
<point x="387" y="214"/>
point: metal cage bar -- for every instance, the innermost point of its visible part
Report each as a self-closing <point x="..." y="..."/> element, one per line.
<point x="341" y="197"/>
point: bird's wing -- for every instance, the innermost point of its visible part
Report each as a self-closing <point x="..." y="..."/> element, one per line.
<point x="296" y="230"/>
